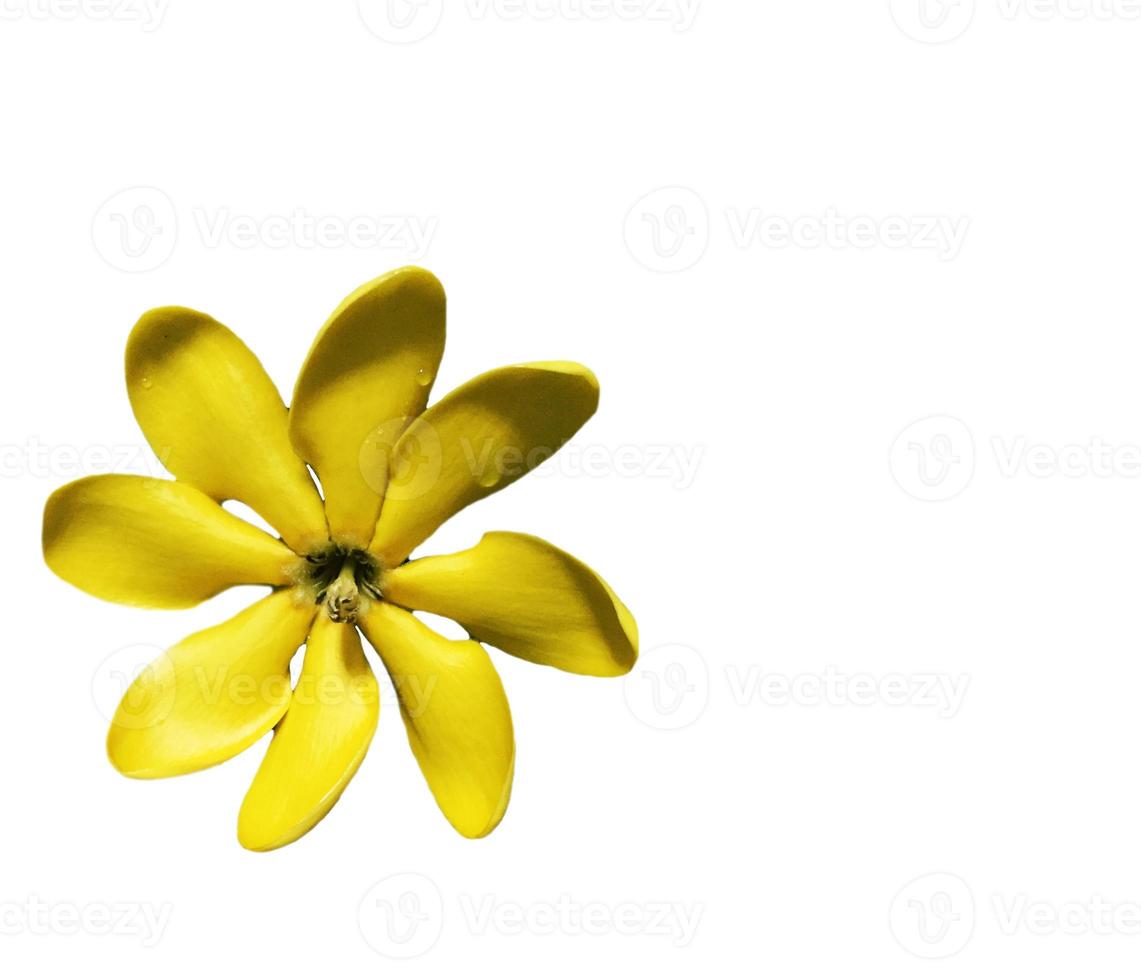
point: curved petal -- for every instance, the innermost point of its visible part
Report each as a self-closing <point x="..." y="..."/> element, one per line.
<point x="212" y="695"/>
<point x="527" y="597"/>
<point x="215" y="419"/>
<point x="478" y="439"/>
<point x="159" y="543"/>
<point x="456" y="714"/>
<point x="319" y="744"/>
<point x="367" y="375"/>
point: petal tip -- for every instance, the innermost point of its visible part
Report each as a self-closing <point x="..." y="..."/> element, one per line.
<point x="152" y="333"/>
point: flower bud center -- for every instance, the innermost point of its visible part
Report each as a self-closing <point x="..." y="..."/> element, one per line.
<point x="341" y="580"/>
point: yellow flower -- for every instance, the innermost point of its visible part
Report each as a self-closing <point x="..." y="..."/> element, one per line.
<point x="391" y="471"/>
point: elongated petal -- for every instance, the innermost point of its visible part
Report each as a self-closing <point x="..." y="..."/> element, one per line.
<point x="527" y="597"/>
<point x="367" y="375"/>
<point x="159" y="543"/>
<point x="212" y="695"/>
<point x="478" y="439"/>
<point x="319" y="744"/>
<point x="456" y="714"/>
<point x="215" y="419"/>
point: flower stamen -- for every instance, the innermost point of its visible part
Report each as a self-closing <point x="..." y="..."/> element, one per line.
<point x="342" y="600"/>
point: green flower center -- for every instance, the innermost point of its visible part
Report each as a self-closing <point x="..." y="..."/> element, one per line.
<point x="337" y="577"/>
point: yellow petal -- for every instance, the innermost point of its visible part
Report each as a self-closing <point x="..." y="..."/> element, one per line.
<point x="319" y="744"/>
<point x="478" y="439"/>
<point x="456" y="714"/>
<point x="161" y="543"/>
<point x="215" y="419"/>
<point x="525" y="596"/>
<point x="212" y="695"/>
<point x="367" y="375"/>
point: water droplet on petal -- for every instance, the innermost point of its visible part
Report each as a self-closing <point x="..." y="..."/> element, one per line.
<point x="424" y="376"/>
<point x="489" y="477"/>
<point x="146" y="383"/>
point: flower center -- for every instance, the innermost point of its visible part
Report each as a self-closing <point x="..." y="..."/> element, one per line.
<point x="337" y="577"/>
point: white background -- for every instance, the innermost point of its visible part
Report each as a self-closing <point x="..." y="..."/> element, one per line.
<point x="886" y="305"/>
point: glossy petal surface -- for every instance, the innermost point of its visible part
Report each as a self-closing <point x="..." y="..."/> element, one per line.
<point x="527" y="597"/>
<point x="366" y="377"/>
<point x="456" y="714"/>
<point x="212" y="695"/>
<point x="159" y="543"/>
<point x="215" y="419"/>
<point x="478" y="439"/>
<point x="319" y="744"/>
